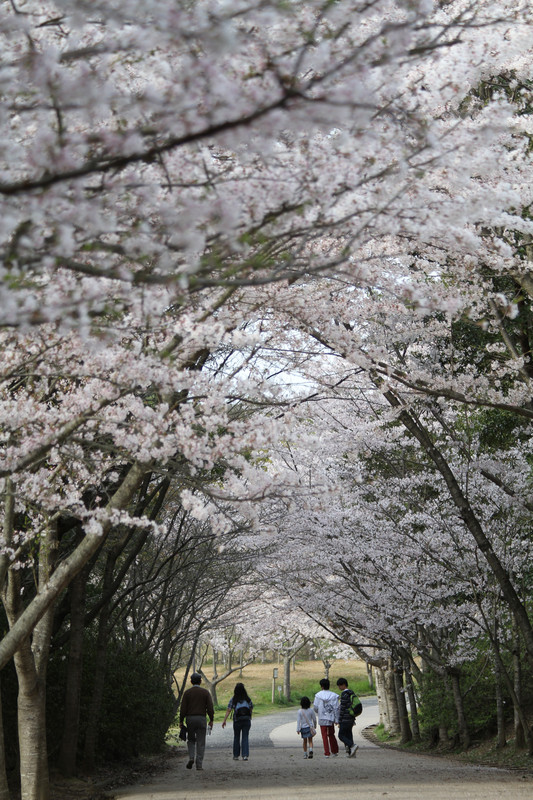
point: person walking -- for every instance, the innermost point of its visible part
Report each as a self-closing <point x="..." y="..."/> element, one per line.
<point x="242" y="707"/>
<point x="306" y="725"/>
<point x="346" y="718"/>
<point x="196" y="703"/>
<point x="326" y="705"/>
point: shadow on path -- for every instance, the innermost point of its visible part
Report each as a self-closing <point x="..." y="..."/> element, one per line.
<point x="277" y="771"/>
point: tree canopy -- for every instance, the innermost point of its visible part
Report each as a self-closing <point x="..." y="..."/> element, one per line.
<point x="265" y="316"/>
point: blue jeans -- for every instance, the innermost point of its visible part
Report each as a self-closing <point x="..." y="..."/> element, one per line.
<point x="345" y="733"/>
<point x="241" y="728"/>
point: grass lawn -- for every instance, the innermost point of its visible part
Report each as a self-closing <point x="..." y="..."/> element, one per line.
<point x="257" y="679"/>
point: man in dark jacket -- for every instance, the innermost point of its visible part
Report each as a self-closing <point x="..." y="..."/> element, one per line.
<point x="195" y="704"/>
<point x="346" y="718"/>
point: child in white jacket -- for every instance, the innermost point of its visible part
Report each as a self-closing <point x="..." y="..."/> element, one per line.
<point x="326" y="705"/>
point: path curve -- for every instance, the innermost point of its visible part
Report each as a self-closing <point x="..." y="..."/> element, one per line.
<point x="277" y="771"/>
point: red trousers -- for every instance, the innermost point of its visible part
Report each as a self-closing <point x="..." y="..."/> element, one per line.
<point x="329" y="740"/>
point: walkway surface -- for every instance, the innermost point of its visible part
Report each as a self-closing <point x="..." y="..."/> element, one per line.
<point x="277" y="771"/>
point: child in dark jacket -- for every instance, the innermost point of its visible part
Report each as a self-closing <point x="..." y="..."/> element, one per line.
<point x="346" y="718"/>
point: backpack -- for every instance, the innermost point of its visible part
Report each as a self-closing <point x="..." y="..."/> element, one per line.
<point x="242" y="710"/>
<point x="355" y="707"/>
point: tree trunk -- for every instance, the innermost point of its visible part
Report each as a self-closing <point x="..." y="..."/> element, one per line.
<point x="443" y="734"/>
<point x="4" y="788"/>
<point x="403" y="716"/>
<point x="389" y="704"/>
<point x="31" y="660"/>
<point x="500" y="716"/>
<point x="91" y="736"/>
<point x="519" y="732"/>
<point x="287" y="677"/>
<point x="464" y="733"/>
<point x="8" y="529"/>
<point x="211" y="687"/>
<point x="517" y="704"/>
<point x="69" y="743"/>
<point x="34" y="779"/>
<point x="410" y="688"/>
<point x="370" y="675"/>
<point x="380" y="694"/>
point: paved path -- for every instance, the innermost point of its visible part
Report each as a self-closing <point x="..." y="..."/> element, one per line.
<point x="277" y="771"/>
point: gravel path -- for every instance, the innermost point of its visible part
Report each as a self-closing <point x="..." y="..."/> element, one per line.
<point x="277" y="771"/>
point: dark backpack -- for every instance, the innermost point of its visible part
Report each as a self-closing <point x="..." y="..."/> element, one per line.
<point x="355" y="707"/>
<point x="242" y="710"/>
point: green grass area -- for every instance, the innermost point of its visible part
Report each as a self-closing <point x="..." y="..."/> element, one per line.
<point x="305" y="678"/>
<point x="300" y="687"/>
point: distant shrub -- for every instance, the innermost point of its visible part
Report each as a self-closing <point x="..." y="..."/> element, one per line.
<point x="138" y="705"/>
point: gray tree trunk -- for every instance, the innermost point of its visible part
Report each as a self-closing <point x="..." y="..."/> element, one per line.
<point x="464" y="733"/>
<point x="403" y="716"/>
<point x="4" y="788"/>
<point x="387" y="701"/>
<point x="500" y="716"/>
<point x="287" y="677"/>
<point x="31" y="660"/>
<point x="91" y="734"/>
<point x="410" y="689"/>
<point x="69" y="743"/>
<point x="9" y="511"/>
<point x="519" y="732"/>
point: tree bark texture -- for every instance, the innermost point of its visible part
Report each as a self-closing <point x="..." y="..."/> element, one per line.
<point x="9" y="512"/>
<point x="287" y="677"/>
<point x="4" y="788"/>
<point x="410" y="689"/>
<point x="391" y="716"/>
<point x="403" y="716"/>
<point x="519" y="732"/>
<point x="464" y="733"/>
<point x="91" y="733"/>
<point x="31" y="661"/>
<point x="70" y="738"/>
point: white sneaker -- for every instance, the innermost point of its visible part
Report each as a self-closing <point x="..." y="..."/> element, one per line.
<point x="353" y="751"/>
<point x="305" y="755"/>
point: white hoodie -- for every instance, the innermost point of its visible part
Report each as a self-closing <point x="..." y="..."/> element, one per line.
<point x="326" y="705"/>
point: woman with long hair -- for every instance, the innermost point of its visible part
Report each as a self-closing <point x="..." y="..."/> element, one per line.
<point x="242" y="706"/>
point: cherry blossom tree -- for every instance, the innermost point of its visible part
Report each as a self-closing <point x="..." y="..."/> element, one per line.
<point x="176" y="179"/>
<point x="386" y="561"/>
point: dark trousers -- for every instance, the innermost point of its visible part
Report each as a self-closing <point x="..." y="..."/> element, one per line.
<point x="241" y="730"/>
<point x="346" y="733"/>
<point x="196" y="731"/>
